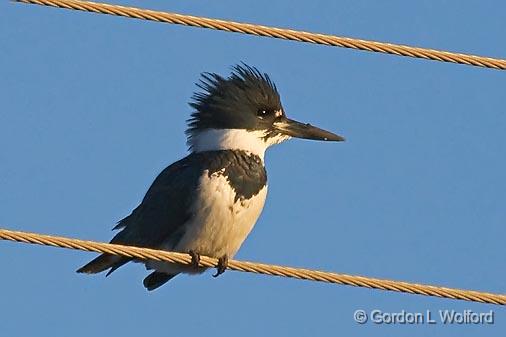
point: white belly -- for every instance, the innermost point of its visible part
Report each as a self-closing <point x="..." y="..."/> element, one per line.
<point x="219" y="224"/>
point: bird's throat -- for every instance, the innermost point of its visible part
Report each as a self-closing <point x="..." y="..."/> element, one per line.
<point x="252" y="141"/>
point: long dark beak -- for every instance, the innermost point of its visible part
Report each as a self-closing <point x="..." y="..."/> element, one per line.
<point x="293" y="128"/>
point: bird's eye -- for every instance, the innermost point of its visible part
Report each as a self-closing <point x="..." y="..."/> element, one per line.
<point x="261" y="113"/>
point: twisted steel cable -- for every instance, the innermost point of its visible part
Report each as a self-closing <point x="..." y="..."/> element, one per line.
<point x="280" y="33"/>
<point x="252" y="267"/>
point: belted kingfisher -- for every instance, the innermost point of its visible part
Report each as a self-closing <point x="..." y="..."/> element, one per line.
<point x="208" y="202"/>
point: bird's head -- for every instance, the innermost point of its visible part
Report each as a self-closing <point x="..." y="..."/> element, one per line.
<point x="243" y="112"/>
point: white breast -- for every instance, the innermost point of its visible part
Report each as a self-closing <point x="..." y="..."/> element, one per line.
<point x="220" y="223"/>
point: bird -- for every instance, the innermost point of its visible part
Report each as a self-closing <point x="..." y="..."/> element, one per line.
<point x="208" y="202"/>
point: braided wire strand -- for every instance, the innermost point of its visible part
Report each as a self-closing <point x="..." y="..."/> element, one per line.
<point x="274" y="32"/>
<point x="253" y="267"/>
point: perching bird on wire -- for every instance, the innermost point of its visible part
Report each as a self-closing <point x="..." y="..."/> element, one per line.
<point x="208" y="202"/>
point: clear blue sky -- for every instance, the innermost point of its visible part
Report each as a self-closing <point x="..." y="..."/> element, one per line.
<point x="93" y="107"/>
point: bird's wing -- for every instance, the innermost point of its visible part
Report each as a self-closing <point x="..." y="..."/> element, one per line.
<point x="165" y="208"/>
<point x="160" y="217"/>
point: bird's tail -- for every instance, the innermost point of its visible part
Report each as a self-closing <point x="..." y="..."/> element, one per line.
<point x="157" y="279"/>
<point x="103" y="262"/>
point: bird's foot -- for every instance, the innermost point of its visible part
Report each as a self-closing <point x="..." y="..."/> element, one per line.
<point x="195" y="259"/>
<point x="222" y="265"/>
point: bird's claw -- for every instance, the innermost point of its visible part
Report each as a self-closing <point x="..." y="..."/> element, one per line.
<point x="222" y="265"/>
<point x="195" y="259"/>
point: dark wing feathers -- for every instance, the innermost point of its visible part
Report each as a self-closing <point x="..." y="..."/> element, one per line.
<point x="159" y="217"/>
